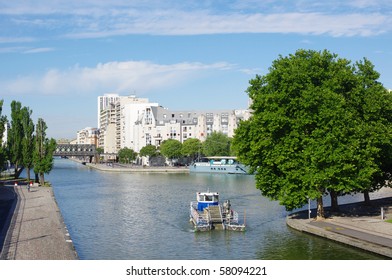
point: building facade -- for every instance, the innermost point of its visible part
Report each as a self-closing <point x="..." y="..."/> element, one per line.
<point x="87" y="135"/>
<point x="134" y="122"/>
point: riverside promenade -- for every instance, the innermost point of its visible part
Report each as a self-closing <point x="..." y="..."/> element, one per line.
<point x="356" y="225"/>
<point x="36" y="230"/>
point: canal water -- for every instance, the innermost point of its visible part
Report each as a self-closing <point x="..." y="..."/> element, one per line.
<point x="123" y="216"/>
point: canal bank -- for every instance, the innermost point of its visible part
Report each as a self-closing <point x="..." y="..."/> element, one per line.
<point x="356" y="225"/>
<point x="35" y="228"/>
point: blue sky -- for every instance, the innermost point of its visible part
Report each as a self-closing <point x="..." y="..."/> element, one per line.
<point x="57" y="56"/>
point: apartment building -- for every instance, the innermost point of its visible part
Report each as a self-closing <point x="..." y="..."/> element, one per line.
<point x="163" y="124"/>
<point x="87" y="135"/>
<point x="134" y="122"/>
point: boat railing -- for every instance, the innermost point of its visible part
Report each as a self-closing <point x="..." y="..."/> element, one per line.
<point x="198" y="218"/>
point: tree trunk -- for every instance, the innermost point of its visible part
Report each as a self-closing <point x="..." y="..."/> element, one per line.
<point x="16" y="173"/>
<point x="334" y="201"/>
<point x="41" y="179"/>
<point x="36" y="178"/>
<point x="366" y="197"/>
<point x="320" y="208"/>
<point x="28" y="174"/>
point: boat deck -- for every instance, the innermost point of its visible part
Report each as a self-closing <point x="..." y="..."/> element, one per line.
<point x="213" y="217"/>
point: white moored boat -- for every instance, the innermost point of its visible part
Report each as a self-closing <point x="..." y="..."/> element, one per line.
<point x="207" y="213"/>
<point x="224" y="165"/>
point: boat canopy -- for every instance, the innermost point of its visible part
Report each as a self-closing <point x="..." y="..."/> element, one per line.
<point x="207" y="197"/>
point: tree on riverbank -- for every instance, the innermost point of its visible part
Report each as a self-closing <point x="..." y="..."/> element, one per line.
<point x="315" y="130"/>
<point x="191" y="148"/>
<point x="3" y="121"/>
<point x="216" y="144"/>
<point x="27" y="140"/>
<point x="43" y="153"/>
<point x="15" y="136"/>
<point x="171" y="149"/>
<point x="126" y="155"/>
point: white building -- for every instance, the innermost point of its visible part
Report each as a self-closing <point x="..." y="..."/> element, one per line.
<point x="105" y="102"/>
<point x="135" y="122"/>
<point x="87" y="135"/>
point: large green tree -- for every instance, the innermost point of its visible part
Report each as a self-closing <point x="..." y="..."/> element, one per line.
<point x="373" y="105"/>
<point x="43" y="152"/>
<point x="15" y="136"/>
<point x="28" y="143"/>
<point x="305" y="137"/>
<point x="216" y="144"/>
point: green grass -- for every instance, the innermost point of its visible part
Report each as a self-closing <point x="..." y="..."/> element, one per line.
<point x="389" y="221"/>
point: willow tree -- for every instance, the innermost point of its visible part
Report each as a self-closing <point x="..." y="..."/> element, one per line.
<point x="305" y="137"/>
<point x="43" y="153"/>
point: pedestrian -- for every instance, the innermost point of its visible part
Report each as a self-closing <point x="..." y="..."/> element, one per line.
<point x="16" y="184"/>
<point x="29" y="186"/>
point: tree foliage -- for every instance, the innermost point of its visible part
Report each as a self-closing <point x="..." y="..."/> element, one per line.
<point x="148" y="151"/>
<point x="126" y="155"/>
<point x="3" y="121"/>
<point x="27" y="140"/>
<point x="191" y="147"/>
<point x="216" y="144"/>
<point x="171" y="148"/>
<point x="314" y="129"/>
<point x="15" y="136"/>
<point x="43" y="152"/>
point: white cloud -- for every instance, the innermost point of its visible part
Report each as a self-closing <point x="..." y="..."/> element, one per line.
<point x="95" y="19"/>
<point x="38" y="50"/>
<point x="121" y="77"/>
<point x="194" y="23"/>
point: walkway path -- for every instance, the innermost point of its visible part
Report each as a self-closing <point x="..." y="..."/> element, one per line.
<point x="37" y="230"/>
<point x="361" y="229"/>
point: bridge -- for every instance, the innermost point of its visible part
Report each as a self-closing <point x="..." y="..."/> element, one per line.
<point x="76" y="150"/>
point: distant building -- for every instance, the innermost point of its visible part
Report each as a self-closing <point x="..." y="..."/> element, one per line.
<point x="87" y="135"/>
<point x="105" y="102"/>
<point x="134" y="122"/>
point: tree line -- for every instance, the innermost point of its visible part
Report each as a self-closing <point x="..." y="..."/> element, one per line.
<point x="216" y="144"/>
<point x="27" y="146"/>
<point x="321" y="125"/>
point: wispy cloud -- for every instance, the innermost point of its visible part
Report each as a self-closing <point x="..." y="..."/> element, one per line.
<point x="38" y="50"/>
<point x="122" y="77"/>
<point x="95" y="19"/>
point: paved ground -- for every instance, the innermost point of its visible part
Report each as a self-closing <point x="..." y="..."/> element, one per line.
<point x="37" y="230"/>
<point x="356" y="225"/>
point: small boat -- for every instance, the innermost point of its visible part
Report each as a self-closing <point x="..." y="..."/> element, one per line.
<point x="225" y="165"/>
<point x="207" y="213"/>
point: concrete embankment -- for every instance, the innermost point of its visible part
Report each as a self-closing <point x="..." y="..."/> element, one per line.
<point x="355" y="225"/>
<point x="36" y="228"/>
